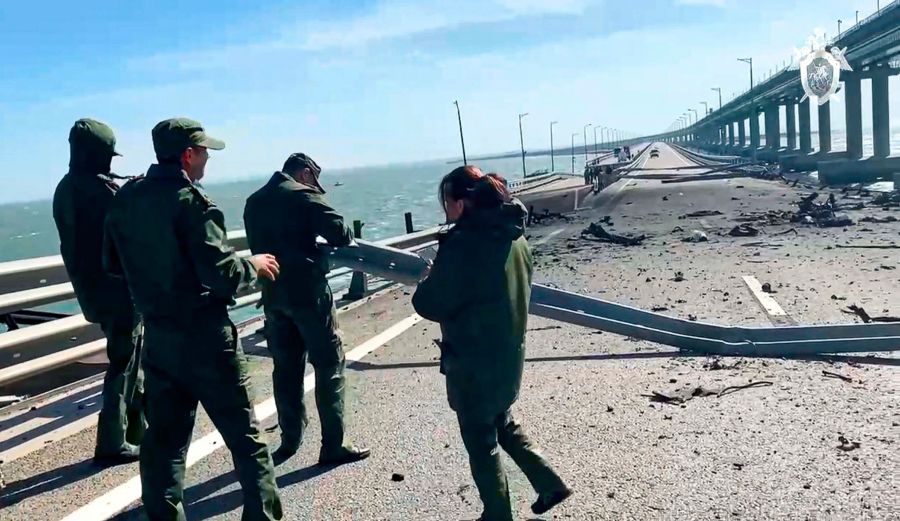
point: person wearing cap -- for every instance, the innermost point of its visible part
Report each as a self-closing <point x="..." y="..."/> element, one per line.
<point x="167" y="239"/>
<point x="284" y="217"/>
<point x="80" y="204"/>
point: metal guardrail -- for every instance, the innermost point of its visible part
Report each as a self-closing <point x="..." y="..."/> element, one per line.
<point x="43" y="347"/>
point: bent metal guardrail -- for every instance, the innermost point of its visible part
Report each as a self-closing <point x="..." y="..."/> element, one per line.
<point x="30" y="283"/>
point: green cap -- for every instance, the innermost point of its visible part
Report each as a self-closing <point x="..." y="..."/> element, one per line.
<point x="173" y="136"/>
<point x="92" y="136"/>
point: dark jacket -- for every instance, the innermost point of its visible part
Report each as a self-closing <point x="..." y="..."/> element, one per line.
<point x="168" y="239"/>
<point x="80" y="204"/>
<point x="283" y="218"/>
<point x="478" y="290"/>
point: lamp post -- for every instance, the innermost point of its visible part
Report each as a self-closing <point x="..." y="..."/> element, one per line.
<point x="584" y="131"/>
<point x="719" y="90"/>
<point x="749" y="61"/>
<point x="595" y="138"/>
<point x="462" y="141"/>
<point x="839" y="27"/>
<point x="573" y="151"/>
<point x="552" y="164"/>
<point x="522" y="143"/>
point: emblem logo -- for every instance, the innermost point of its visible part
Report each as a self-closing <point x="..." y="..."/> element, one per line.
<point x="820" y="70"/>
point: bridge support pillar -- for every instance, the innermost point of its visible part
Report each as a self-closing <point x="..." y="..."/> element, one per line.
<point x="881" y="116"/>
<point x="790" y="114"/>
<point x="742" y="133"/>
<point x="805" y="134"/>
<point x="773" y="126"/>
<point x="754" y="129"/>
<point x="825" y="128"/>
<point x="730" y="130"/>
<point x="853" y="108"/>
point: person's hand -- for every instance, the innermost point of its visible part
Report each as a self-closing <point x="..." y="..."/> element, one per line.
<point x="266" y="265"/>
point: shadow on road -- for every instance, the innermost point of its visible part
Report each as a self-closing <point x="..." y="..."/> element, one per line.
<point x="206" y="505"/>
<point x="47" y="482"/>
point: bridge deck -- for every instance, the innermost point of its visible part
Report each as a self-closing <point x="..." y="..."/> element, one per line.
<point x="758" y="453"/>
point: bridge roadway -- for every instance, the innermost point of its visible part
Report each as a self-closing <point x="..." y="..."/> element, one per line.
<point x="760" y="453"/>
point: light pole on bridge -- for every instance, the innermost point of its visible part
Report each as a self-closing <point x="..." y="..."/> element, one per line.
<point x="522" y="143"/>
<point x="573" y="151"/>
<point x="705" y="108"/>
<point x="839" y="27"/>
<point x="596" y="126"/>
<point x="461" y="139"/>
<point x="719" y="90"/>
<point x="584" y="131"/>
<point x="749" y="61"/>
<point x="552" y="167"/>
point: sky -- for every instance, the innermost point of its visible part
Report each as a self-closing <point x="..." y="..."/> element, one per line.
<point x="356" y="83"/>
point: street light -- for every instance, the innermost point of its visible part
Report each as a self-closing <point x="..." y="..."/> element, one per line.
<point x="585" y="142"/>
<point x="595" y="138"/>
<point x="749" y="61"/>
<point x="573" y="151"/>
<point x="522" y="143"/>
<point x="857" y="17"/>
<point x="719" y="90"/>
<point x="839" y="27"/>
<point x="552" y="167"/>
<point x="461" y="140"/>
<point x="705" y="108"/>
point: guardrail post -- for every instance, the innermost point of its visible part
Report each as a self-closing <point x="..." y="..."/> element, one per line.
<point x="359" y="284"/>
<point x="409" y="224"/>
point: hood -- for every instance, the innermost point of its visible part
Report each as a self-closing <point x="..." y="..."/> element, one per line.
<point x="506" y="221"/>
<point x="92" y="146"/>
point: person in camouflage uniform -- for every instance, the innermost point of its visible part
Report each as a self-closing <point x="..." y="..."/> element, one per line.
<point x="478" y="291"/>
<point x="167" y="238"/>
<point x="80" y="205"/>
<point x="284" y="217"/>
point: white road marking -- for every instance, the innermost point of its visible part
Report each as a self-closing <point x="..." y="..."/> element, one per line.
<point x="679" y="157"/>
<point x="545" y="239"/>
<point x="118" y="499"/>
<point x="768" y="303"/>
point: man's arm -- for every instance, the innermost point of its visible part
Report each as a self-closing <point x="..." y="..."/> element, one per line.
<point x="217" y="266"/>
<point x="327" y="222"/>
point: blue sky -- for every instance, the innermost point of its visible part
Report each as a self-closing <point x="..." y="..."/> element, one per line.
<point x="370" y="82"/>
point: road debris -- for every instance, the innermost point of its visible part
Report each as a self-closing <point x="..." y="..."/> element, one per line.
<point x="683" y="395"/>
<point x="853" y="309"/>
<point x="397" y="477"/>
<point x="701" y="213"/>
<point x="715" y="364"/>
<point x="847" y="445"/>
<point x="596" y="230"/>
<point x="870" y="246"/>
<point x="767" y="288"/>
<point x="679" y="277"/>
<point x="878" y="220"/>
<point x="744" y="230"/>
<point x="829" y="374"/>
<point x="696" y="236"/>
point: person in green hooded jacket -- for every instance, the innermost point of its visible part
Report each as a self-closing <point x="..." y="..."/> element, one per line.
<point x="478" y="291"/>
<point x="284" y="217"/>
<point x="80" y="204"/>
<point x="167" y="238"/>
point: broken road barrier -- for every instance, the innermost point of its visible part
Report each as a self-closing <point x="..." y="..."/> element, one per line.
<point x="711" y="338"/>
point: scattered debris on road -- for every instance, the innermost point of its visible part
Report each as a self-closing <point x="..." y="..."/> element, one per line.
<point x="767" y="288"/>
<point x="396" y="477"/>
<point x="701" y="213"/>
<point x="744" y="230"/>
<point x="829" y="374"/>
<point x="681" y="396"/>
<point x="853" y="309"/>
<point x="847" y="445"/>
<point x="696" y="236"/>
<point x="596" y="230"/>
